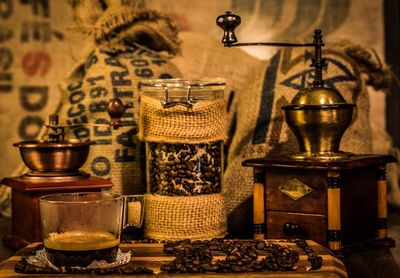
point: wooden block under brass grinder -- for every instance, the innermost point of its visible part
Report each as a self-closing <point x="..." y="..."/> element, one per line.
<point x="25" y="203"/>
<point x="340" y="204"/>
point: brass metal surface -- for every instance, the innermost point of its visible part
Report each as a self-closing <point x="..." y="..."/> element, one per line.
<point x="34" y="176"/>
<point x="319" y="129"/>
<point x="317" y="96"/>
<point x="295" y="189"/>
<point x="323" y="156"/>
<point x="63" y="157"/>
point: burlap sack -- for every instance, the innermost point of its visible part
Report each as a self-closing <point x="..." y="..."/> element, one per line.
<point x="113" y="69"/>
<point x="5" y="202"/>
<point x="118" y="23"/>
<point x="117" y="155"/>
<point x="199" y="217"/>
<point x="261" y="129"/>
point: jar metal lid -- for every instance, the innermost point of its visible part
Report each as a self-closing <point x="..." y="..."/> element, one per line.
<point x="177" y="89"/>
<point x="183" y="83"/>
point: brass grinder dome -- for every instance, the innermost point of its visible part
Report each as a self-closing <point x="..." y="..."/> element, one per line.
<point x="57" y="158"/>
<point x="318" y="117"/>
<point x="317" y="96"/>
<point x="54" y="158"/>
<point x="49" y="158"/>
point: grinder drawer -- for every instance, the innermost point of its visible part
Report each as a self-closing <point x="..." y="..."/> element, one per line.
<point x="311" y="202"/>
<point x="297" y="225"/>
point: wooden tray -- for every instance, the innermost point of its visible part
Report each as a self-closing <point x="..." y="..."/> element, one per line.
<point x="151" y="256"/>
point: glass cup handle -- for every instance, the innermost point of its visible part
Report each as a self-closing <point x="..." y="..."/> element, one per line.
<point x="133" y="211"/>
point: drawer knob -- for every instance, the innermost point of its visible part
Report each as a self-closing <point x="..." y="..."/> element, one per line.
<point x="291" y="229"/>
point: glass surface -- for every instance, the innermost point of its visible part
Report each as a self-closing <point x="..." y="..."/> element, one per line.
<point x="184" y="169"/>
<point x="178" y="89"/>
<point x="78" y="228"/>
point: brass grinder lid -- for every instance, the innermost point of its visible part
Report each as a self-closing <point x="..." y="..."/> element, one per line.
<point x="317" y="96"/>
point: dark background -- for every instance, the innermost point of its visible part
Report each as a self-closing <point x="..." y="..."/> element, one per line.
<point x="392" y="51"/>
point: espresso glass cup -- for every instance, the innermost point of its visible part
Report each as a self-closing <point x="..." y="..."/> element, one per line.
<point x="78" y="228"/>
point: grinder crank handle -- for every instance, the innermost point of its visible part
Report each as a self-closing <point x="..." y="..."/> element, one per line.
<point x="229" y="21"/>
<point x="115" y="110"/>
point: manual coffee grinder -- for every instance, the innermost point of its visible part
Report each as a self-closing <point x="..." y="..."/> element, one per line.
<point x="54" y="164"/>
<point x="335" y="198"/>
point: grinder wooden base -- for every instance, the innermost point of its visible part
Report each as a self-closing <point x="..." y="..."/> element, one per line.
<point x="25" y="203"/>
<point x="340" y="204"/>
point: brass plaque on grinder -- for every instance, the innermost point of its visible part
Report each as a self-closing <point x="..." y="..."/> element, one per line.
<point x="295" y="189"/>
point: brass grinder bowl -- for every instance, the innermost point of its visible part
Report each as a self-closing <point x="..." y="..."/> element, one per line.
<point x="62" y="157"/>
<point x="318" y="117"/>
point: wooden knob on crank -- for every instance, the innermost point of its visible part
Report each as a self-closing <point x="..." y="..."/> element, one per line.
<point x="228" y="22"/>
<point x="115" y="109"/>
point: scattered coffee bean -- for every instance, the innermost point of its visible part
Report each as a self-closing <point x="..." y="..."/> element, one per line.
<point x="146" y="240"/>
<point x="313" y="258"/>
<point x="241" y="256"/>
<point x="184" y="169"/>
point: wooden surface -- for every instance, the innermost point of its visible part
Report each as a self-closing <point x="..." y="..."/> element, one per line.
<point x="382" y="207"/>
<point x="359" y="208"/>
<point x="349" y="163"/>
<point x="258" y="208"/>
<point x="313" y="203"/>
<point x="152" y="257"/>
<point x="26" y="184"/>
<point x="5" y="230"/>
<point x="308" y="224"/>
<point x="353" y="212"/>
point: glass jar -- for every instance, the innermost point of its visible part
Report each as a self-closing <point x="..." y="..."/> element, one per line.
<point x="183" y="125"/>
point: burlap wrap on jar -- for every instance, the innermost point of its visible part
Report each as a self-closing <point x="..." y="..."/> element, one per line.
<point x="195" y="215"/>
<point x="203" y="123"/>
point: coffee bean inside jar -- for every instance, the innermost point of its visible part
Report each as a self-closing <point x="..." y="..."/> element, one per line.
<point x="184" y="169"/>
